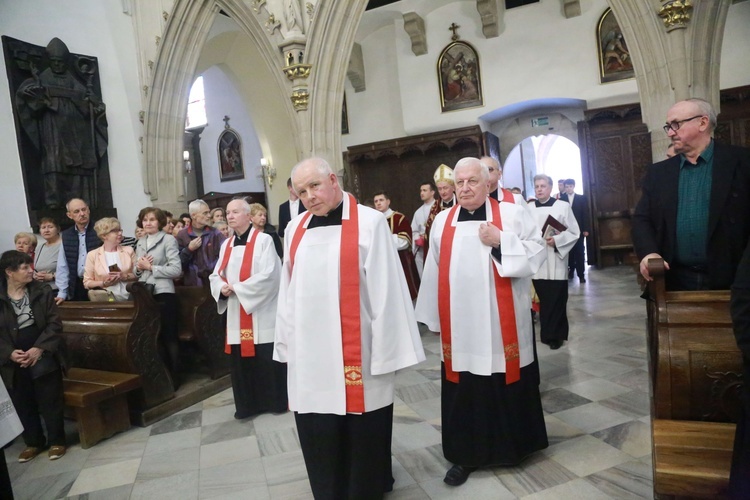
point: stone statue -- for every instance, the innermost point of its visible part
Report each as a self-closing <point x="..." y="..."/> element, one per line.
<point x="293" y="16"/>
<point x="65" y="121"/>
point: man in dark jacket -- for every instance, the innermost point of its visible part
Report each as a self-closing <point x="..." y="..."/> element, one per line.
<point x="77" y="242"/>
<point x="580" y="206"/>
<point x="694" y="210"/>
<point x="739" y="479"/>
<point x="199" y="244"/>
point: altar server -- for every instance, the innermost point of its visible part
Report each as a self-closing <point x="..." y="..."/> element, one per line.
<point x="475" y="291"/>
<point x="550" y="282"/>
<point x="345" y="324"/>
<point x="245" y="285"/>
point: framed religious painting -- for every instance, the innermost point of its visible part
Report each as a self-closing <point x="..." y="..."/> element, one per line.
<point x="459" y="78"/>
<point x="615" y="62"/>
<point x="231" y="166"/>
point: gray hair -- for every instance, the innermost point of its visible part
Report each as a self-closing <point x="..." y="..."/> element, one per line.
<point x="195" y="206"/>
<point x="320" y="164"/>
<point x="545" y="177"/>
<point x="470" y="161"/>
<point x="243" y="202"/>
<point x="706" y="109"/>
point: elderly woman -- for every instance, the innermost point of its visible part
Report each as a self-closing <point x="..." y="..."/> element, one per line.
<point x="31" y="349"/>
<point x="223" y="228"/>
<point x="25" y="243"/>
<point x="259" y="218"/>
<point x="110" y="266"/>
<point x="45" y="258"/>
<point x="158" y="264"/>
<point x="218" y="214"/>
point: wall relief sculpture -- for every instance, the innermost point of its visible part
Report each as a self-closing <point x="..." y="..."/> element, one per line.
<point x="61" y="124"/>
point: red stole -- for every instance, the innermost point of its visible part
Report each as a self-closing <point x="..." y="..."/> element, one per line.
<point x="507" y="196"/>
<point x="247" y="337"/>
<point x="351" y="332"/>
<point x="504" y="298"/>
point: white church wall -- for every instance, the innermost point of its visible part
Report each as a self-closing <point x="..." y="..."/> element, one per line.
<point x="539" y="54"/>
<point x="381" y="101"/>
<point x="223" y="99"/>
<point x="94" y="28"/>
<point x="735" y="64"/>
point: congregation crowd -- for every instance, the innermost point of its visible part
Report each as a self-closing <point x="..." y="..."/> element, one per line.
<point x="321" y="323"/>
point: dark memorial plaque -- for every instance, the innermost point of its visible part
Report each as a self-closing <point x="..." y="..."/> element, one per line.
<point x="61" y="127"/>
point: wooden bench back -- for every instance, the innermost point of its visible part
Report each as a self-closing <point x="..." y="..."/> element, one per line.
<point x="201" y="323"/>
<point x="695" y="364"/>
<point x="119" y="337"/>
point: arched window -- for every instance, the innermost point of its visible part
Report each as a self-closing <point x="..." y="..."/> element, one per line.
<point x="196" y="110"/>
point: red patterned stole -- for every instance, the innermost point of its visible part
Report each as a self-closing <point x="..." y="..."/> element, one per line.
<point x="503" y="296"/>
<point x="247" y="337"/>
<point x="351" y="332"/>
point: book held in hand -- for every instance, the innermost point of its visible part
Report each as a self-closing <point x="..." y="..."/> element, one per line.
<point x="552" y="227"/>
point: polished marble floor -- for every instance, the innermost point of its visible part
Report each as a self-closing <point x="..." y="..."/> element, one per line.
<point x="594" y="391"/>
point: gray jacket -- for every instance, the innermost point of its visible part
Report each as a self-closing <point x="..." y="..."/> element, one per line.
<point x="166" y="265"/>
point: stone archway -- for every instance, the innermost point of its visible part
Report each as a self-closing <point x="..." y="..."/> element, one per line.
<point x="311" y="131"/>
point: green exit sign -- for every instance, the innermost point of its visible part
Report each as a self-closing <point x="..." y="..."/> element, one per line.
<point x="542" y="121"/>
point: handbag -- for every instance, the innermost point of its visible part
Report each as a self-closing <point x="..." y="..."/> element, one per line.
<point x="101" y="296"/>
<point x="44" y="365"/>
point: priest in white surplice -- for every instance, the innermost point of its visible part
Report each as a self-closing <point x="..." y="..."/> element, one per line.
<point x="345" y="324"/>
<point x="245" y="285"/>
<point x="550" y="281"/>
<point x="475" y="291"/>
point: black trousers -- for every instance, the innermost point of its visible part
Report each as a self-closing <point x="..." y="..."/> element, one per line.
<point x="6" y="490"/>
<point x="576" y="259"/>
<point x="258" y="383"/>
<point x="168" y="340"/>
<point x="43" y="396"/>
<point x="347" y="456"/>
<point x="553" y="305"/>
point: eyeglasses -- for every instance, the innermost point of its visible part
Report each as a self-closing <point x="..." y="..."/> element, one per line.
<point x="675" y="125"/>
<point x="116" y="231"/>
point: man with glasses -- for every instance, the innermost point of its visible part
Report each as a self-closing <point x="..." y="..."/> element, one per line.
<point x="77" y="242"/>
<point x="694" y="211"/>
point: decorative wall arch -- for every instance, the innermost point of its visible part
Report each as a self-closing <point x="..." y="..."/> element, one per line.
<point x="181" y="45"/>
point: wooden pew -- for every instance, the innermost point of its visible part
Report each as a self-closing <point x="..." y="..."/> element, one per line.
<point x="695" y="370"/>
<point x="99" y="401"/>
<point x="201" y="324"/>
<point x="120" y="337"/>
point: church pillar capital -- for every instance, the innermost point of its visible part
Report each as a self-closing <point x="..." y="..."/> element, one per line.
<point x="675" y="14"/>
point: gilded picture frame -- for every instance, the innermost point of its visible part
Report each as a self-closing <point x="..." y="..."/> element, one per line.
<point x="459" y="77"/>
<point x="231" y="165"/>
<point x="615" y="63"/>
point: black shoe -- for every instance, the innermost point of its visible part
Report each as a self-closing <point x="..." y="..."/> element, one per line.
<point x="582" y="279"/>
<point x="457" y="475"/>
<point x="555" y="344"/>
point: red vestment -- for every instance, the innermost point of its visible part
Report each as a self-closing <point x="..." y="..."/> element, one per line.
<point x="401" y="226"/>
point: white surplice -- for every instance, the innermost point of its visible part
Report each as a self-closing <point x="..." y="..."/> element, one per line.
<point x="308" y="323"/>
<point x="476" y="339"/>
<point x="256" y="295"/>
<point x="556" y="267"/>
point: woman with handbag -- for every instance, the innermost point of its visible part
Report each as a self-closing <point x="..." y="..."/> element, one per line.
<point x="158" y="264"/>
<point x="32" y="353"/>
<point x="110" y="266"/>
